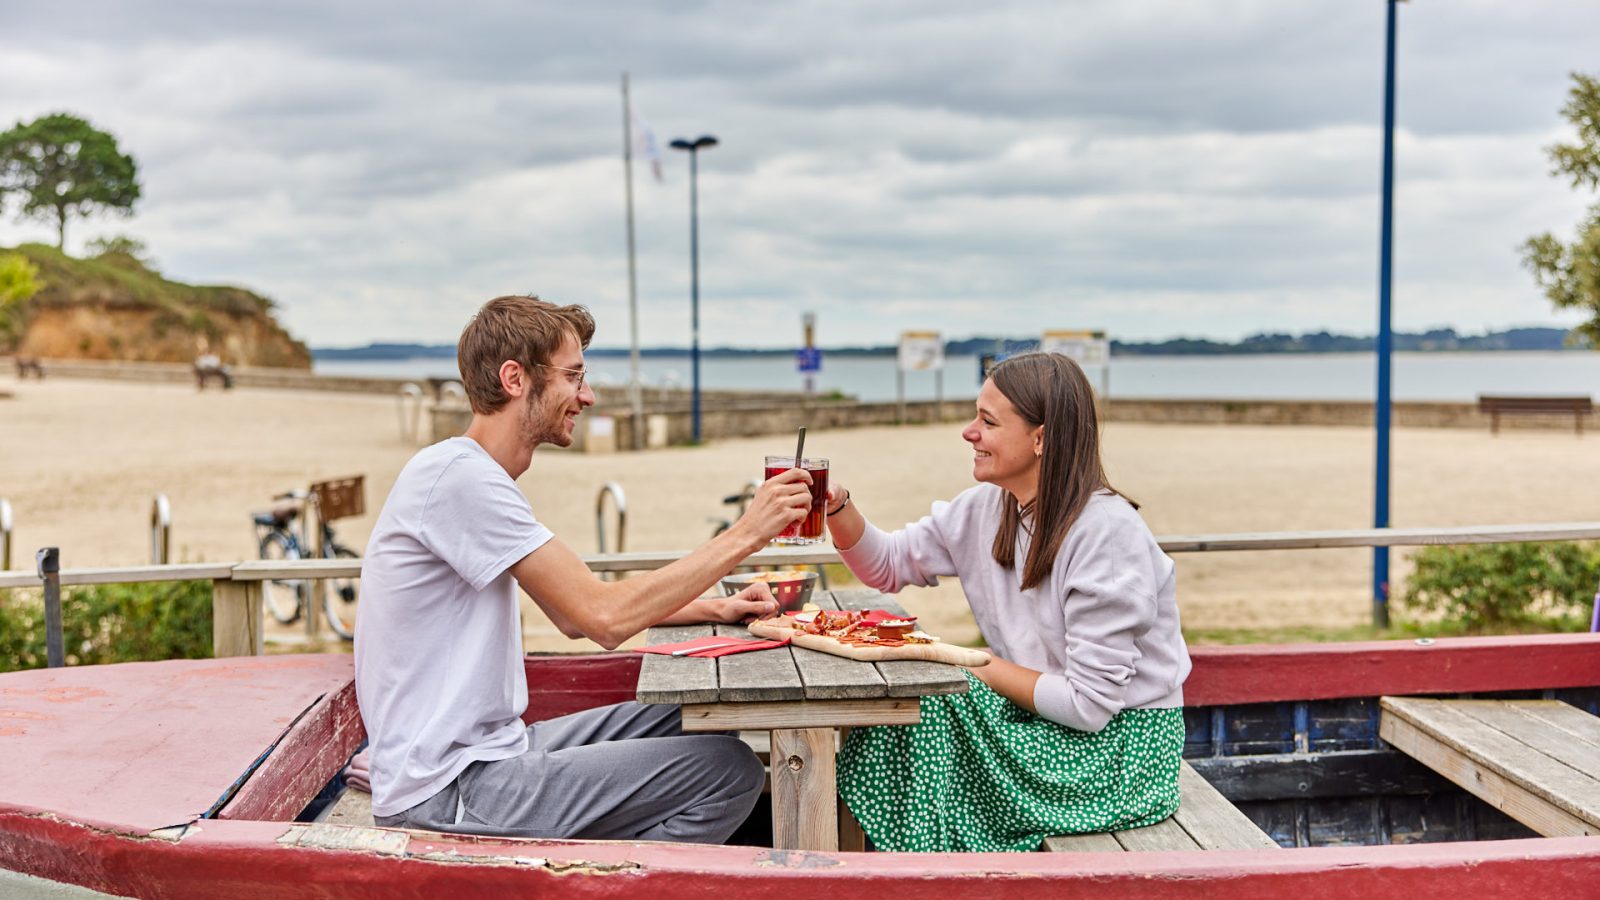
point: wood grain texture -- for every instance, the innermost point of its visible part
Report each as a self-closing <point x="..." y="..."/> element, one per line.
<point x="236" y="618"/>
<point x="1502" y="769"/>
<point x="677" y="679"/>
<point x="759" y="675"/>
<point x="804" y="790"/>
<point x="1165" y="835"/>
<point x="1213" y="822"/>
<point x="305" y="759"/>
<point x="800" y="714"/>
<point x="939" y="652"/>
<point x="1093" y="842"/>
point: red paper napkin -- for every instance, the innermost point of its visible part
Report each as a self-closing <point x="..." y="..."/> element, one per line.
<point x="708" y="647"/>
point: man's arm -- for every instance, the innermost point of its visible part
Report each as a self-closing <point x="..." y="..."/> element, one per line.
<point x="610" y="612"/>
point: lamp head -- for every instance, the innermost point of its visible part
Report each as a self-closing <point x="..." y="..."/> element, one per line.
<point x="702" y="142"/>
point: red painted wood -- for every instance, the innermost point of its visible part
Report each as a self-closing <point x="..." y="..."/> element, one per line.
<point x="142" y="746"/>
<point x="568" y="683"/>
<point x="1257" y="673"/>
<point x="306" y="758"/>
<point x="243" y="859"/>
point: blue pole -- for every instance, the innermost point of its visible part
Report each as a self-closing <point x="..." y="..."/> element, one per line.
<point x="694" y="288"/>
<point x="1380" y="516"/>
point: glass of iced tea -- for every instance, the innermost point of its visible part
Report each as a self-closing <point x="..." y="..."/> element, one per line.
<point x="809" y="529"/>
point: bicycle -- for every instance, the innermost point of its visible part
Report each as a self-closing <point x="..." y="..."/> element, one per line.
<point x="279" y="539"/>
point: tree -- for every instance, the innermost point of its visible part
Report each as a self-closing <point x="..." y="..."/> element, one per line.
<point x="62" y="166"/>
<point x="19" y="280"/>
<point x="1570" y="273"/>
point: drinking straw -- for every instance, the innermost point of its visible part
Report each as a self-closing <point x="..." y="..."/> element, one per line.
<point x="799" y="448"/>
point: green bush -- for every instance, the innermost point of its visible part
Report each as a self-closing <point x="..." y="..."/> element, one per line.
<point x="1496" y="588"/>
<point x="110" y="623"/>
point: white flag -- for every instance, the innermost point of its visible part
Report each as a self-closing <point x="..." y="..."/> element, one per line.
<point x="645" y="143"/>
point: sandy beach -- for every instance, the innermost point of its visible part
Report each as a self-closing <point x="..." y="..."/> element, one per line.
<point x="80" y="462"/>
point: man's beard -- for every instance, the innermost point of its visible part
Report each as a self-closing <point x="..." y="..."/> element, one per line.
<point x="538" y="427"/>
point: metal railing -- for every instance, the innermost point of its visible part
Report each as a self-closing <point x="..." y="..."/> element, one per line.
<point x="236" y="587"/>
<point x="160" y="531"/>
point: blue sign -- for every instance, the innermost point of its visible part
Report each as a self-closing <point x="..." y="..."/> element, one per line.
<point x="808" y="359"/>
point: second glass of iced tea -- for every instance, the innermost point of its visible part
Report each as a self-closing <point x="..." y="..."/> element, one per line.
<point x="809" y="529"/>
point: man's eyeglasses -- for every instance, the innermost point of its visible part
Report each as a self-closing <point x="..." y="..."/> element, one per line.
<point x="581" y="373"/>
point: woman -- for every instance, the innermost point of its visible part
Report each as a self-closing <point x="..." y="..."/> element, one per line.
<point x="1076" y="724"/>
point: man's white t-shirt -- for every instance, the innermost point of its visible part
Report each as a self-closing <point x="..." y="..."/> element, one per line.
<point x="439" y="670"/>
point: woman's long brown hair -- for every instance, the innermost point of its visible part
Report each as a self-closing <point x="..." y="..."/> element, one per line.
<point x="1049" y="389"/>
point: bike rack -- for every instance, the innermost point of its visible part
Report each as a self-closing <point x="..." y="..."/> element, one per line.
<point x="410" y="401"/>
<point x="160" y="531"/>
<point x="5" y="534"/>
<point x="620" y="502"/>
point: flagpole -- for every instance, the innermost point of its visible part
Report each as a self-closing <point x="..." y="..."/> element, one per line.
<point x="635" y="393"/>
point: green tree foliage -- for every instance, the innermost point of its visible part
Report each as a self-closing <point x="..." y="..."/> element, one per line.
<point x="1499" y="588"/>
<point x="19" y="280"/>
<point x="1569" y="274"/>
<point x="110" y="623"/>
<point x="61" y="166"/>
<point x="120" y="246"/>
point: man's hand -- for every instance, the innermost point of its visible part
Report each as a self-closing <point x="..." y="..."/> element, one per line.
<point x="754" y="602"/>
<point x="783" y="500"/>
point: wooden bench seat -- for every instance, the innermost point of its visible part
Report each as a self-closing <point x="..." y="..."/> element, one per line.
<point x="1495" y="407"/>
<point x="1205" y="820"/>
<point x="1538" y="761"/>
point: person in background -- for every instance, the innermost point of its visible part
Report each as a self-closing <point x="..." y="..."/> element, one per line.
<point x="438" y="648"/>
<point x="1076" y="725"/>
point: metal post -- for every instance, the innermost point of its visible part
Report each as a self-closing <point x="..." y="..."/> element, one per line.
<point x="620" y="502"/>
<point x="900" y="396"/>
<point x="694" y="290"/>
<point x="49" y="562"/>
<point x="635" y="391"/>
<point x="5" y="534"/>
<point x="160" y="531"/>
<point x="938" y="395"/>
<point x="1380" y="514"/>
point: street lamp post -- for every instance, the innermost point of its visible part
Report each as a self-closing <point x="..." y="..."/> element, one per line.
<point x="694" y="147"/>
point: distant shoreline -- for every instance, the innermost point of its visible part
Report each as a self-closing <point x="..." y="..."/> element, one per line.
<point x="1436" y="341"/>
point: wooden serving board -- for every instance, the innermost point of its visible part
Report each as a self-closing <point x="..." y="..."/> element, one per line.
<point x="784" y="627"/>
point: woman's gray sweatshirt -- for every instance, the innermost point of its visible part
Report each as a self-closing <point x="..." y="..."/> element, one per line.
<point x="1103" y="628"/>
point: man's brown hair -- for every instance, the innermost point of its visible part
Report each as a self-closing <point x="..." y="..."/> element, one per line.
<point x="520" y="328"/>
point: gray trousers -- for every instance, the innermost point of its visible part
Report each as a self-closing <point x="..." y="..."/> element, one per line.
<point x="622" y="772"/>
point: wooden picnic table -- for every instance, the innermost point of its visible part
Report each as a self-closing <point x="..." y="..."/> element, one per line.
<point x="804" y="698"/>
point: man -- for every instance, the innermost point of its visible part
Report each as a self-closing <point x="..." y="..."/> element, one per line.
<point x="439" y="670"/>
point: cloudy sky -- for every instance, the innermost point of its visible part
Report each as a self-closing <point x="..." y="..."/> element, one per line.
<point x="1151" y="168"/>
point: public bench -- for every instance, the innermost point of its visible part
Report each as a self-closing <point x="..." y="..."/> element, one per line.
<point x="1495" y="407"/>
<point x="1534" y="760"/>
<point x="1205" y="820"/>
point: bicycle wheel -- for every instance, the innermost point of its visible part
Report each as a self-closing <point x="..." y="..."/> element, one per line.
<point x="282" y="597"/>
<point x="339" y="596"/>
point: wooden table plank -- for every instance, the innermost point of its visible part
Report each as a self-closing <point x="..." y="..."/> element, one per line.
<point x="795" y="714"/>
<point x="677" y="679"/>
<point x="1582" y="727"/>
<point x="1542" y="793"/>
<point x="905" y="677"/>
<point x="758" y="675"/>
<point x="829" y="677"/>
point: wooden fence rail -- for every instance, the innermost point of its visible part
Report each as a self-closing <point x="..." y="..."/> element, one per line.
<point x="236" y="587"/>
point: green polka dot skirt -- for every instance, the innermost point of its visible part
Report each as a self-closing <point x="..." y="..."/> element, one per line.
<point x="980" y="773"/>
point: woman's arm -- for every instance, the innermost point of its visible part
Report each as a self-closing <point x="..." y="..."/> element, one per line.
<point x="915" y="555"/>
<point x="1009" y="680"/>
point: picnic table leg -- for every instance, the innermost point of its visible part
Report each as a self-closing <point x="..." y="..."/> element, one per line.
<point x="804" y="790"/>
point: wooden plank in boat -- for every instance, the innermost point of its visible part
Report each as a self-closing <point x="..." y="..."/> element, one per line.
<point x="1213" y="822"/>
<point x="1164" y="835"/>
<point x="1502" y="768"/>
<point x="1093" y="842"/>
<point x="905" y="678"/>
<point x="677" y="679"/>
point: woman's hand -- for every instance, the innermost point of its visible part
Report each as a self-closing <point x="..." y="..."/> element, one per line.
<point x="781" y="501"/>
<point x="837" y="494"/>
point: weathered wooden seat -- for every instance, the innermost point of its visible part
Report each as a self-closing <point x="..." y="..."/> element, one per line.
<point x="1534" y="760"/>
<point x="1577" y="407"/>
<point x="1205" y="820"/>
